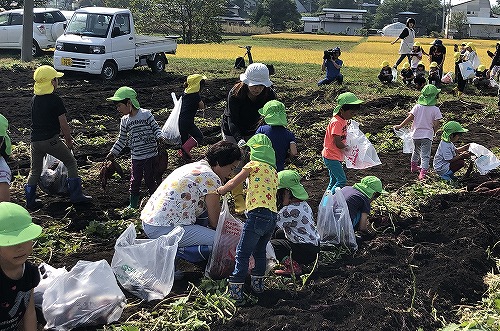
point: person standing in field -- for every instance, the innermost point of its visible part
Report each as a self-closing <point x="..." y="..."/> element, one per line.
<point x="425" y="117"/>
<point x="407" y="38"/>
<point x="437" y="53"/>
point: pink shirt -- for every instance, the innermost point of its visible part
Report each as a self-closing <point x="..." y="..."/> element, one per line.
<point x="336" y="127"/>
<point x="425" y="116"/>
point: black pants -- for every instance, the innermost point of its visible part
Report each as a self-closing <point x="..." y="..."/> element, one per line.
<point x="188" y="128"/>
<point x="302" y="253"/>
<point x="401" y="58"/>
<point x="460" y="80"/>
<point x="385" y="79"/>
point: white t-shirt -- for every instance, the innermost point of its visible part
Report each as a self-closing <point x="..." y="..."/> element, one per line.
<point x="415" y="59"/>
<point x="444" y="153"/>
<point x="5" y="173"/>
<point x="297" y="222"/>
<point x="180" y="198"/>
<point x="422" y="126"/>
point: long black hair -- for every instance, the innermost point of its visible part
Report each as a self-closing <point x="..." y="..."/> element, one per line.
<point x="3" y="148"/>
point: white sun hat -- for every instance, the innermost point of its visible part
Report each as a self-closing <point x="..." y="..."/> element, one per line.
<point x="256" y="74"/>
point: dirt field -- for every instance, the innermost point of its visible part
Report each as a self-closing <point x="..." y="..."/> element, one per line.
<point x="394" y="282"/>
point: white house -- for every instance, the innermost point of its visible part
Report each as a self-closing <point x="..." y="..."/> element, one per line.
<point x="340" y="21"/>
<point x="481" y="24"/>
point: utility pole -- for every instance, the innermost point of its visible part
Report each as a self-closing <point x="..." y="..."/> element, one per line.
<point x="27" y="44"/>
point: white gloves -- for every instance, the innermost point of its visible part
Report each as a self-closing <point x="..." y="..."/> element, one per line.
<point x="241" y="143"/>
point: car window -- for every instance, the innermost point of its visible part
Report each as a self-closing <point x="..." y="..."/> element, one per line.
<point x="4" y="19"/>
<point x="49" y="17"/>
<point x="16" y="19"/>
<point x="122" y="22"/>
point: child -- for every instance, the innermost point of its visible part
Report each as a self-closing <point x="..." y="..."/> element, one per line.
<point x="261" y="214"/>
<point x="458" y="57"/>
<point x="471" y="55"/>
<point x="296" y="232"/>
<point x="481" y="77"/>
<point x="358" y="198"/>
<point x="448" y="158"/>
<point x="335" y="138"/>
<point x="5" y="151"/>
<point x="416" y="55"/>
<point x="332" y="65"/>
<point x="191" y="136"/>
<point x="283" y="140"/>
<point x="495" y="61"/>
<point x="437" y="53"/>
<point x="48" y="120"/>
<point x="407" y="74"/>
<point x="425" y="117"/>
<point x="419" y="74"/>
<point x="18" y="277"/>
<point x="385" y="75"/>
<point x="138" y="130"/>
<point x="434" y="77"/>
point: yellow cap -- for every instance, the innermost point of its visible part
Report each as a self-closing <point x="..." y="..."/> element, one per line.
<point x="416" y="44"/>
<point x="406" y="65"/>
<point x="193" y="83"/>
<point x="43" y="77"/>
<point x="433" y="65"/>
<point x="482" y="67"/>
<point x="385" y="64"/>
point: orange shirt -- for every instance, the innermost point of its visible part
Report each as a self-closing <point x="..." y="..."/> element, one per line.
<point x="336" y="127"/>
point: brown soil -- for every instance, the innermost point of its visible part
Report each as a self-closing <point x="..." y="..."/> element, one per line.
<point x="393" y="282"/>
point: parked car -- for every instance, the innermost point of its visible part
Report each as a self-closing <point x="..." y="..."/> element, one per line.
<point x="68" y="14"/>
<point x="48" y="25"/>
<point x="100" y="40"/>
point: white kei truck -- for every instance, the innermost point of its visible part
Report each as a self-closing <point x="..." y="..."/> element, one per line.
<point x="100" y="40"/>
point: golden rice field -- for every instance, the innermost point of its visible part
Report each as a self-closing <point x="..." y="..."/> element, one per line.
<point x="368" y="52"/>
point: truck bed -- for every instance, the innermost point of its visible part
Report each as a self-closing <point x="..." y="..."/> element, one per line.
<point x="152" y="44"/>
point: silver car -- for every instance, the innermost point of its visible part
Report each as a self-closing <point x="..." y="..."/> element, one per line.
<point x="48" y="25"/>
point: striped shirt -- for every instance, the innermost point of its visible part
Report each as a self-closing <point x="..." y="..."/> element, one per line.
<point x="139" y="133"/>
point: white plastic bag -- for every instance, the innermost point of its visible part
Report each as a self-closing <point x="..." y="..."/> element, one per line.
<point x="493" y="83"/>
<point x="87" y="295"/>
<point x="47" y="275"/>
<point x="361" y="154"/>
<point x="466" y="69"/>
<point x="334" y="222"/>
<point x="447" y="78"/>
<point x="485" y="159"/>
<point x="407" y="138"/>
<point x="227" y="235"/>
<point x="54" y="176"/>
<point x="394" y="75"/>
<point x="145" y="267"/>
<point x="170" y="130"/>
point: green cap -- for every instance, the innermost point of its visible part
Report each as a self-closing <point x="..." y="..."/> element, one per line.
<point x="274" y="113"/>
<point x="428" y="95"/>
<point x="4" y="124"/>
<point x="369" y="185"/>
<point x="261" y="149"/>
<point x="16" y="226"/>
<point x="290" y="179"/>
<point x="346" y="98"/>
<point x="123" y="93"/>
<point x="450" y="128"/>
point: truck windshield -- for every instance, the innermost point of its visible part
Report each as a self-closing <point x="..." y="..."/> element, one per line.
<point x="87" y="24"/>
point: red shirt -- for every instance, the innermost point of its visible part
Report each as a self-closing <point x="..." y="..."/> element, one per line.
<point x="336" y="127"/>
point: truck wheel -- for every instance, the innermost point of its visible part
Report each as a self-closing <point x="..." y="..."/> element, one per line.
<point x="158" y="64"/>
<point x="35" y="49"/>
<point x="109" y="70"/>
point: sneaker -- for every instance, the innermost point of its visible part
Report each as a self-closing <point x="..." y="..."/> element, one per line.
<point x="289" y="268"/>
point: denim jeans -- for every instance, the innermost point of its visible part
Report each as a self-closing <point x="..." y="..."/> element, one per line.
<point x="422" y="152"/>
<point x="337" y="174"/>
<point x="257" y="232"/>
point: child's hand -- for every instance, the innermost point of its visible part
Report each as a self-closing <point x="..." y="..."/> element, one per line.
<point x="397" y="127"/>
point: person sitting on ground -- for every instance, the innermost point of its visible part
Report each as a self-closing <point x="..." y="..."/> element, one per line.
<point x="332" y="65"/>
<point x="358" y="198"/>
<point x="296" y="240"/>
<point x="18" y="277"/>
<point x="434" y="76"/>
<point x="283" y="140"/>
<point x="495" y="61"/>
<point x="385" y="75"/>
<point x="481" y="77"/>
<point x="419" y="74"/>
<point x="191" y="136"/>
<point x="406" y="74"/>
<point x="140" y="132"/>
<point x="5" y="151"/>
<point x="449" y="159"/>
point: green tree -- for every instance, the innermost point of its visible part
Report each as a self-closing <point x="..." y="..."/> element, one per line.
<point x="458" y="22"/>
<point x="338" y="4"/>
<point x="276" y="14"/>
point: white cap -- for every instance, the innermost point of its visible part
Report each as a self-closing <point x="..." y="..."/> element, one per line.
<point x="256" y="74"/>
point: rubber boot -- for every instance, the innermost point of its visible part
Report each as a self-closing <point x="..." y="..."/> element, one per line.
<point x="236" y="292"/>
<point x="414" y="167"/>
<point x="186" y="148"/>
<point x="239" y="199"/>
<point x="289" y="267"/>
<point x="448" y="175"/>
<point x="75" y="191"/>
<point x="257" y="283"/>
<point x="134" y="201"/>
<point x="32" y="203"/>
<point x="422" y="174"/>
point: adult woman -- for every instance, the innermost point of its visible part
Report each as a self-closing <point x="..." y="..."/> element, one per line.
<point x="241" y="117"/>
<point x="437" y="53"/>
<point x="407" y="37"/>
<point x="188" y="197"/>
<point x="5" y="151"/>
